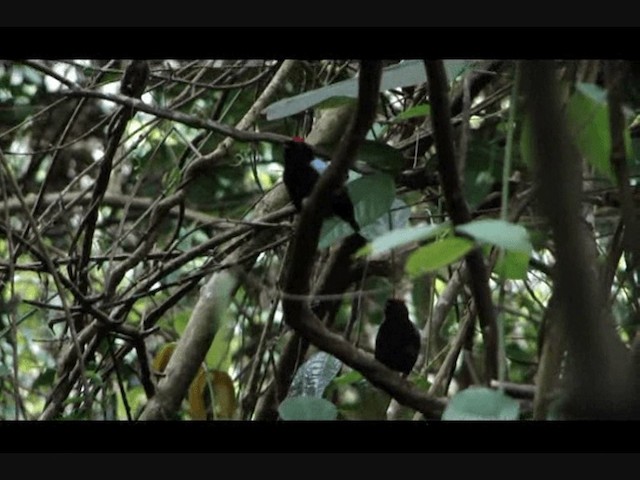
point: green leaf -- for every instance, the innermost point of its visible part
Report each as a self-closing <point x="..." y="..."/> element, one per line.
<point x="513" y="265"/>
<point x="404" y="74"/>
<point x="396" y="217"/>
<point x="420" y="110"/>
<point x="314" y="375"/>
<point x="437" y="255"/>
<point x="481" y="404"/>
<point x="588" y="116"/>
<point x="402" y="236"/>
<point x="372" y="196"/>
<point x="381" y="156"/>
<point x="180" y="321"/>
<point x="348" y="378"/>
<point x="420" y="381"/>
<point x="307" y="408"/>
<point x="499" y="233"/>
<point x="136" y="398"/>
<point x="219" y="355"/>
<point x="482" y="169"/>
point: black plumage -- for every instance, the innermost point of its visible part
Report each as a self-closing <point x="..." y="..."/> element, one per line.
<point x="134" y="80"/>
<point x="398" y="339"/>
<point x="300" y="177"/>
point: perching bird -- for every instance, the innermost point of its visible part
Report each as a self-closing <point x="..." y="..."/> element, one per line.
<point x="398" y="339"/>
<point x="134" y="80"/>
<point x="302" y="171"/>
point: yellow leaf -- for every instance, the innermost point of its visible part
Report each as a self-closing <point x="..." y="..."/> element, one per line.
<point x="162" y="357"/>
<point x="196" y="396"/>
<point x="224" y="395"/>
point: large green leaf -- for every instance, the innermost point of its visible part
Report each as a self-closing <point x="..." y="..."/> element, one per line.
<point x="307" y="408"/>
<point x="372" y="197"/>
<point x="420" y="110"/>
<point x="499" y="233"/>
<point x="404" y="74"/>
<point x="402" y="236"/>
<point x="396" y="217"/>
<point x="513" y="265"/>
<point x="437" y="255"/>
<point x="482" y="169"/>
<point x="381" y="156"/>
<point x="481" y="404"/>
<point x="314" y="375"/>
<point x="588" y="115"/>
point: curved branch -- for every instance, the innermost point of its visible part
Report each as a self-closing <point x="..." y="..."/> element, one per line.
<point x="459" y="210"/>
<point x="296" y="313"/>
<point x="308" y="230"/>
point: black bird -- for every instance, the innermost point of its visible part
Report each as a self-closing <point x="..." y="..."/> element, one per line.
<point x="398" y="340"/>
<point x="134" y="80"/>
<point x="302" y="171"/>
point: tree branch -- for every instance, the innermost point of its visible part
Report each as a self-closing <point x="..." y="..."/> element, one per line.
<point x="598" y="366"/>
<point x="296" y="313"/>
<point x="179" y="117"/>
<point x="459" y="210"/>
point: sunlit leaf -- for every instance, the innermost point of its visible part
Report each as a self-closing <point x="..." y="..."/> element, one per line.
<point x="509" y="236"/>
<point x="401" y="237"/>
<point x="219" y="354"/>
<point x="348" y="378"/>
<point x="180" y="321"/>
<point x="437" y="255"/>
<point x="513" y="265"/>
<point x="421" y="110"/>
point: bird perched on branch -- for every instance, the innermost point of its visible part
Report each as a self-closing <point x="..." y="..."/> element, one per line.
<point x="302" y="169"/>
<point x="398" y="339"/>
<point x="135" y="78"/>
